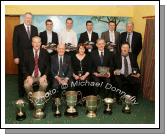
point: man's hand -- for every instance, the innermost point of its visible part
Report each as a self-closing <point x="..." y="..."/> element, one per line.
<point x="76" y="77"/>
<point x="43" y="46"/>
<point x="96" y="74"/>
<point x="16" y="60"/>
<point x="108" y="75"/>
<point x="29" y="80"/>
<point x="136" y="75"/>
<point x="83" y="77"/>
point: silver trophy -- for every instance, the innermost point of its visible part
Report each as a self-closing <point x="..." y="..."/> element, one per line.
<point x="108" y="102"/>
<point x="127" y="103"/>
<point x="57" y="104"/>
<point x="20" y="113"/>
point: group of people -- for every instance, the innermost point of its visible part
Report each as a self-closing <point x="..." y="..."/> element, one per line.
<point x="54" y="68"/>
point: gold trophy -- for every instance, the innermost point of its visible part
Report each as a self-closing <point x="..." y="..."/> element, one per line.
<point x="127" y="103"/>
<point x="38" y="99"/>
<point x="57" y="103"/>
<point x="103" y="71"/>
<point x="20" y="114"/>
<point x="108" y="102"/>
<point x="71" y="99"/>
<point x="91" y="105"/>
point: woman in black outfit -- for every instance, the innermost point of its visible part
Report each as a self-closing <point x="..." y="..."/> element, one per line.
<point x="81" y="69"/>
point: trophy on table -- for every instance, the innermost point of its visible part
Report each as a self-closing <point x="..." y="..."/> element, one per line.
<point x="108" y="102"/>
<point x="103" y="71"/>
<point x="127" y="103"/>
<point x="89" y="45"/>
<point x="111" y="46"/>
<point x="71" y="99"/>
<point x="70" y="47"/>
<point x="57" y="103"/>
<point x="20" y="113"/>
<point x="91" y="105"/>
<point x="38" y="99"/>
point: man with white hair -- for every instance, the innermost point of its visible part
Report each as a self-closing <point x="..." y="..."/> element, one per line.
<point x="22" y="39"/>
<point x="133" y="38"/>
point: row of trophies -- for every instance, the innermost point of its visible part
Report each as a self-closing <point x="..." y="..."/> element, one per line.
<point x="88" y="45"/>
<point x="71" y="97"/>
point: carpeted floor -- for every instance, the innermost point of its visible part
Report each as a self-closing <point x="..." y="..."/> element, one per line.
<point x="143" y="113"/>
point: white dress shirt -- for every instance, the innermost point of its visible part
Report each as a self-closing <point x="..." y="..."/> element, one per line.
<point x="49" y="39"/>
<point x="39" y="73"/>
<point x="89" y="35"/>
<point x="112" y="36"/>
<point x="68" y="36"/>
<point x="129" y="66"/>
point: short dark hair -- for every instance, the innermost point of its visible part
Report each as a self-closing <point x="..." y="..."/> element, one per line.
<point x="125" y="43"/>
<point x="111" y="22"/>
<point x="69" y="18"/>
<point x="89" y="21"/>
<point x="48" y="20"/>
<point x="79" y="45"/>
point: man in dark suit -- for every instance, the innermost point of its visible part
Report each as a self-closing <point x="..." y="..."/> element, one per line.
<point x="133" y="38"/>
<point x="111" y="35"/>
<point x="22" y="39"/>
<point x="35" y="66"/>
<point x="61" y="69"/>
<point x="89" y="35"/>
<point x="126" y="72"/>
<point x="101" y="57"/>
<point x="48" y="36"/>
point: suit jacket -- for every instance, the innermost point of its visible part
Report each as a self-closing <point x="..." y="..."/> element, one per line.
<point x="84" y="37"/>
<point x="67" y="69"/>
<point x="106" y="36"/>
<point x="118" y="61"/>
<point x="29" y="63"/>
<point x="95" y="60"/>
<point x="136" y="44"/>
<point x="21" y="41"/>
<point x="43" y="36"/>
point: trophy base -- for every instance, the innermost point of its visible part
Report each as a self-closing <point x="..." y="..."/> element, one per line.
<point x="39" y="115"/>
<point x="126" y="111"/>
<point x="107" y="112"/>
<point x="57" y="115"/>
<point x="74" y="114"/>
<point x="20" y="118"/>
<point x="91" y="115"/>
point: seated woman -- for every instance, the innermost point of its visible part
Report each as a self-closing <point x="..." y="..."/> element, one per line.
<point x="81" y="69"/>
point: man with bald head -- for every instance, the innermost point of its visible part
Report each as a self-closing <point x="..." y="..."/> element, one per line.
<point x="60" y="68"/>
<point x="22" y="39"/>
<point x="133" y="38"/>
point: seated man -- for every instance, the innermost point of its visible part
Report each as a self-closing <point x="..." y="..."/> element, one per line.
<point x="126" y="72"/>
<point x="61" y="68"/>
<point x="35" y="66"/>
<point x="101" y="57"/>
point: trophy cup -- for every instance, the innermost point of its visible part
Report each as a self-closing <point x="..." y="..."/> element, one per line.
<point x="127" y="103"/>
<point x="51" y="46"/>
<point x="103" y="71"/>
<point x="111" y="46"/>
<point x="108" y="102"/>
<point x="91" y="105"/>
<point x="70" y="47"/>
<point x="71" y="99"/>
<point x="57" y="103"/>
<point x="89" y="45"/>
<point x="20" y="114"/>
<point x="38" y="99"/>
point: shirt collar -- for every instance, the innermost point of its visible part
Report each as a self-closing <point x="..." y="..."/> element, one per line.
<point x="27" y="26"/>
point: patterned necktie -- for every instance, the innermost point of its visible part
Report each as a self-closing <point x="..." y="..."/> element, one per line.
<point x="28" y="32"/>
<point x="36" y="72"/>
<point x="128" y="40"/>
<point x="125" y="67"/>
<point x="61" y="66"/>
<point x="101" y="58"/>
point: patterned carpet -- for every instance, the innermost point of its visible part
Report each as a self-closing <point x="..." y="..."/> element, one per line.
<point x="143" y="113"/>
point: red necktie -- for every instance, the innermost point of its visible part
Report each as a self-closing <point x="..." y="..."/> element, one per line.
<point x="36" y="72"/>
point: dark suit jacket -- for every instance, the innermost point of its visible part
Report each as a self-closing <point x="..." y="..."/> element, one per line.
<point x="29" y="63"/>
<point x="118" y="62"/>
<point x="136" y="44"/>
<point x="95" y="60"/>
<point x="21" y="41"/>
<point x="84" y="37"/>
<point x="43" y="36"/>
<point x="67" y="69"/>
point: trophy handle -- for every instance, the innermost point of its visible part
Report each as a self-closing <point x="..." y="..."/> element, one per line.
<point x="79" y="93"/>
<point x="29" y="96"/>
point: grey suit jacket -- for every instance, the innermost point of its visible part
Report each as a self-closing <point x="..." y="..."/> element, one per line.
<point x="106" y="37"/>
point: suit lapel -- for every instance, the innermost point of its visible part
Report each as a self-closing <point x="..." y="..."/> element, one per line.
<point x="108" y="36"/>
<point x="87" y="37"/>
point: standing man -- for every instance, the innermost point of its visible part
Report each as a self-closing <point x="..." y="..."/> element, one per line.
<point x="133" y="38"/>
<point x="48" y="36"/>
<point x="111" y="35"/>
<point x="89" y="35"/>
<point x="68" y="35"/>
<point x="22" y="39"/>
